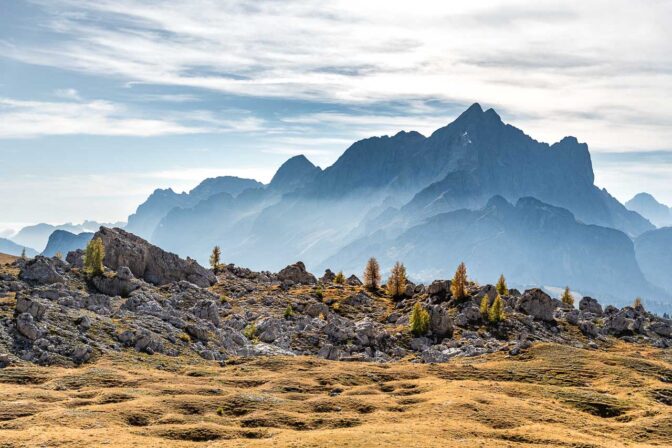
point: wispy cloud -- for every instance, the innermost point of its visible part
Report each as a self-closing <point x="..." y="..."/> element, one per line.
<point x="25" y="119"/>
<point x="68" y="94"/>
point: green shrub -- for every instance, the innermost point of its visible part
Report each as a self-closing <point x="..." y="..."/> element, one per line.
<point x="184" y="337"/>
<point x="485" y="303"/>
<point x="340" y="278"/>
<point x="289" y="312"/>
<point x="250" y="332"/>
<point x="419" y="322"/>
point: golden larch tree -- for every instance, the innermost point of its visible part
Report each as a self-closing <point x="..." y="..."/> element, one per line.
<point x="458" y="287"/>
<point x="396" y="284"/>
<point x="372" y="274"/>
<point x="501" y="287"/>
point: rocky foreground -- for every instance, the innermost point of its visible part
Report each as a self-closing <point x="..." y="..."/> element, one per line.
<point x="153" y="302"/>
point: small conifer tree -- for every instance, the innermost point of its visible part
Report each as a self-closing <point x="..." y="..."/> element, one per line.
<point x="289" y="311"/>
<point x="419" y="321"/>
<point x="372" y="274"/>
<point x="485" y="302"/>
<point x="567" y="297"/>
<point x="339" y="279"/>
<point x="638" y="303"/>
<point x="396" y="284"/>
<point x="458" y="287"/>
<point x="215" y="258"/>
<point x="23" y="254"/>
<point x="496" y="313"/>
<point x="93" y="257"/>
<point x="501" y="287"/>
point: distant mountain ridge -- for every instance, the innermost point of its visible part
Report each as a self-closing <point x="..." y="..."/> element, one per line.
<point x="148" y="215"/>
<point x="646" y="205"/>
<point x="62" y="241"/>
<point x="37" y="236"/>
<point x="9" y="247"/>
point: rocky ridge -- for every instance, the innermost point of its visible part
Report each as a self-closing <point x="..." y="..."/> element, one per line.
<point x="52" y="313"/>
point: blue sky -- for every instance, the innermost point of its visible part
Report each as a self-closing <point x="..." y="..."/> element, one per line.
<point x="101" y="102"/>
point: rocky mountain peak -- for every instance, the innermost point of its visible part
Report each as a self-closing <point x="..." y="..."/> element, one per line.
<point x="294" y="173"/>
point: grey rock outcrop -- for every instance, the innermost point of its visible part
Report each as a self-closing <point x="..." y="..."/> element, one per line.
<point x="537" y="304"/>
<point x="296" y="273"/>
<point x="590" y="305"/>
<point x="43" y="271"/>
<point x="440" y="323"/>
<point x="149" y="262"/>
<point x="123" y="283"/>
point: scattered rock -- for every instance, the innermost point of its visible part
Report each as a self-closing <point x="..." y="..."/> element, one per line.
<point x="537" y="304"/>
<point x="440" y="323"/>
<point x="353" y="280"/>
<point x="42" y="271"/>
<point x="590" y="305"/>
<point x="26" y="326"/>
<point x="328" y="277"/>
<point x="296" y="273"/>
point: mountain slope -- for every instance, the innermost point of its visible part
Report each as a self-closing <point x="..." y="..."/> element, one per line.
<point x="62" y="242"/>
<point x="535" y="243"/>
<point x="654" y="253"/>
<point x="11" y="248"/>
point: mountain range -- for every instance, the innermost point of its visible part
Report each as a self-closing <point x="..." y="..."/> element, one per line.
<point x="478" y="190"/>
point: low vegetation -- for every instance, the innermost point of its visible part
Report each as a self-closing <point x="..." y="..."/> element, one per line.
<point x="419" y="322"/>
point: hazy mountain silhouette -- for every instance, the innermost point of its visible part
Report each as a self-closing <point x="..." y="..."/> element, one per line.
<point x="647" y="206"/>
<point x="62" y="241"/>
<point x="37" y="236"/>
<point x="160" y="202"/>
<point x="654" y="253"/>
<point x="533" y="242"/>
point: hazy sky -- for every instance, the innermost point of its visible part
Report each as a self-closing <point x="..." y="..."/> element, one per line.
<point x="101" y="102"/>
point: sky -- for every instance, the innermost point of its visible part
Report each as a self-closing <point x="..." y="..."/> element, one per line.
<point x="102" y="102"/>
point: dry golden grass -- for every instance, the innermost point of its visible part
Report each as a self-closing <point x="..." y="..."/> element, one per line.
<point x="7" y="259"/>
<point x="551" y="396"/>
